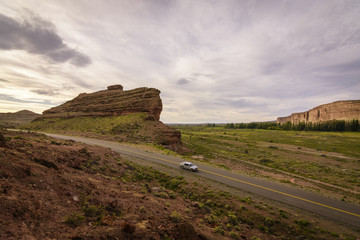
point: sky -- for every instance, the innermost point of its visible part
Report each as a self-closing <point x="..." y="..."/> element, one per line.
<point x="214" y="61"/>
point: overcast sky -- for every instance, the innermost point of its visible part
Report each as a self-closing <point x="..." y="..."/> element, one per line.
<point x="212" y="60"/>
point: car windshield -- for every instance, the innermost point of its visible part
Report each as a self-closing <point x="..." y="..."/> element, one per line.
<point x="190" y="164"/>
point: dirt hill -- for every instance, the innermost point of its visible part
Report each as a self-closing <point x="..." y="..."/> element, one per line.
<point x="13" y="120"/>
<point x="340" y="110"/>
<point x="114" y="114"/>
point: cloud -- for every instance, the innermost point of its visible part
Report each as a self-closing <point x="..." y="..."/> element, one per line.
<point x="352" y="66"/>
<point x="3" y="80"/>
<point x="10" y="98"/>
<point x="183" y="81"/>
<point x="46" y="92"/>
<point x="38" y="36"/>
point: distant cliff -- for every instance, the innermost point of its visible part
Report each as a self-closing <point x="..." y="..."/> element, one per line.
<point x="340" y="110"/>
<point x="111" y="102"/>
<point x="12" y="120"/>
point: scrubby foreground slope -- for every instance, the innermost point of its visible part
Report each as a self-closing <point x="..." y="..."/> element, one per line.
<point x="54" y="189"/>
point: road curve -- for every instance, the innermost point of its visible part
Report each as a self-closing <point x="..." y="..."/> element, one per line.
<point x="346" y="213"/>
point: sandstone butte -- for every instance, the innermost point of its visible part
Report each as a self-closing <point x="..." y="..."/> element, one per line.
<point x="111" y="102"/>
<point x="116" y="102"/>
<point x="340" y="110"/>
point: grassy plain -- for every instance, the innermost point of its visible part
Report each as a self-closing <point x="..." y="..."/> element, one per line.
<point x="326" y="162"/>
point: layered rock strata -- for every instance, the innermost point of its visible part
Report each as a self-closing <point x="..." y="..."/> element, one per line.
<point x="340" y="110"/>
<point x="111" y="102"/>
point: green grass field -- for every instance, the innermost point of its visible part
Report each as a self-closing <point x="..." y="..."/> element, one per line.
<point x="328" y="158"/>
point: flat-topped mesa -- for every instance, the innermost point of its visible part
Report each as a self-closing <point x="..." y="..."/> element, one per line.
<point x="340" y="110"/>
<point x="111" y="102"/>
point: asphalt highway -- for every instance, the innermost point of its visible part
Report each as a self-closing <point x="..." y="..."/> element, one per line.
<point x="342" y="212"/>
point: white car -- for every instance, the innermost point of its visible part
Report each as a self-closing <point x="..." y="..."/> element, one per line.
<point x="189" y="166"/>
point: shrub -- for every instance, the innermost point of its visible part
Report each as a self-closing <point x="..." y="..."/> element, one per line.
<point x="212" y="219"/>
<point x="232" y="219"/>
<point x="74" y="220"/>
<point x="302" y="222"/>
<point x="219" y="230"/>
<point x="269" y="222"/>
<point x="234" y="235"/>
<point x="175" y="217"/>
<point x="93" y="211"/>
<point x="161" y="194"/>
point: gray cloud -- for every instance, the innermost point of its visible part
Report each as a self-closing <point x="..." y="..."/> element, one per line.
<point x="342" y="67"/>
<point x="47" y="92"/>
<point x="3" y="80"/>
<point x="10" y="98"/>
<point x="38" y="37"/>
<point x="182" y="81"/>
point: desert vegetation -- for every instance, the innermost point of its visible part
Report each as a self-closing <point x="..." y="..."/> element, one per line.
<point x="317" y="161"/>
<point x="87" y="192"/>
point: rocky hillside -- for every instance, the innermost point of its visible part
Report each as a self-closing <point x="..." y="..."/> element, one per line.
<point x="111" y="102"/>
<point x="340" y="110"/>
<point x="114" y="114"/>
<point x="12" y="120"/>
<point x="57" y="189"/>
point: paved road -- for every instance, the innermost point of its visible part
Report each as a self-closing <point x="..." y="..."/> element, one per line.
<point x="342" y="212"/>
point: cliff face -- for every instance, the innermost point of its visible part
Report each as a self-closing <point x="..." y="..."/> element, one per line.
<point x="11" y="120"/>
<point x="111" y="102"/>
<point x="340" y="110"/>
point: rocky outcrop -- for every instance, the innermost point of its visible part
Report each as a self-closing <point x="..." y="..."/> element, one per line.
<point x="12" y="120"/>
<point x="111" y="102"/>
<point x="340" y="110"/>
<point x="142" y="107"/>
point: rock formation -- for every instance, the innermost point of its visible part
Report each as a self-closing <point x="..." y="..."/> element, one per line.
<point x="144" y="104"/>
<point x="111" y="102"/>
<point x="340" y="110"/>
<point x="12" y="120"/>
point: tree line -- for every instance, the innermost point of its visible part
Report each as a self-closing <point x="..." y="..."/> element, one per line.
<point x="328" y="126"/>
